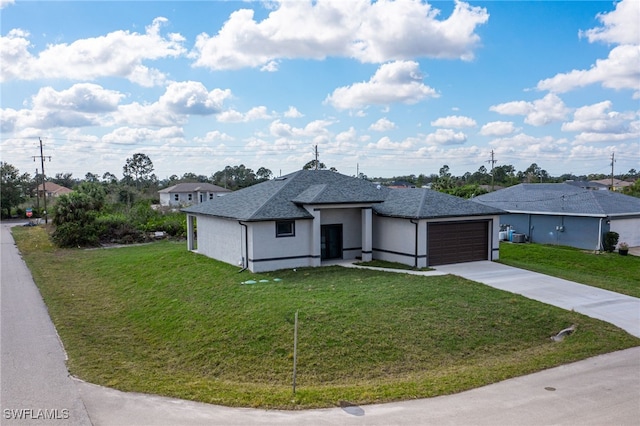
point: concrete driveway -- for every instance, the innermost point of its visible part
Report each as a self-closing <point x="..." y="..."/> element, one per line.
<point x="618" y="309"/>
<point x="35" y="382"/>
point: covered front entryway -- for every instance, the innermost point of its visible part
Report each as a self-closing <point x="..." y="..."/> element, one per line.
<point x="456" y="242"/>
<point x="331" y="242"/>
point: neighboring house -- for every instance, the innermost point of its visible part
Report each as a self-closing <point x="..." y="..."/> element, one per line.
<point x="594" y="186"/>
<point x="310" y="216"/>
<point x="186" y="194"/>
<point x="617" y="185"/>
<point x="564" y="214"/>
<point x="53" y="190"/>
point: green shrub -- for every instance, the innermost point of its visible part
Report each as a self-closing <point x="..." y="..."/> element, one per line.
<point x="610" y="241"/>
<point x="117" y="228"/>
<point x="75" y="234"/>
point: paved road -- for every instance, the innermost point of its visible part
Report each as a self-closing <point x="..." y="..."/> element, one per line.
<point x="603" y="390"/>
<point x="600" y="390"/>
<point x="34" y="381"/>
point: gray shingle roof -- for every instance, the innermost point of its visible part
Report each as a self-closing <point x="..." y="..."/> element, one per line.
<point x="560" y="198"/>
<point x="194" y="187"/>
<point x="419" y="203"/>
<point x="282" y="198"/>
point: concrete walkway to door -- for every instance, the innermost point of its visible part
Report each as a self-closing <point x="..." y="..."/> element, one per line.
<point x="618" y="309"/>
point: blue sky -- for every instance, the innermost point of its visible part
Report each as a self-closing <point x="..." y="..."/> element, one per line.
<point x="387" y="88"/>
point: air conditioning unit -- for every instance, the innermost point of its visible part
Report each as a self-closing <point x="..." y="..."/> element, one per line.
<point x="518" y="238"/>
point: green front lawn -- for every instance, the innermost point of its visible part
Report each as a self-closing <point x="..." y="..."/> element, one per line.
<point x="605" y="270"/>
<point x="159" y="319"/>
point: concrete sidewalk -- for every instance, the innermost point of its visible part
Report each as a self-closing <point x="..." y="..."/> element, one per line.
<point x="35" y="387"/>
<point x="597" y="391"/>
<point x="618" y="309"/>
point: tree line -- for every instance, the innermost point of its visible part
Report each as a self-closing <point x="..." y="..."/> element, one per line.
<point x="139" y="182"/>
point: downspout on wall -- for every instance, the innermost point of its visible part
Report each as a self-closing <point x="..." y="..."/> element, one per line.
<point x="245" y="258"/>
<point x="599" y="235"/>
<point x="415" y="256"/>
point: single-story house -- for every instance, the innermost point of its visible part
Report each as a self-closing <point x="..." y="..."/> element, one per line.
<point x="188" y="193"/>
<point x="53" y="190"/>
<point x="615" y="185"/>
<point x="310" y="216"/>
<point x="564" y="214"/>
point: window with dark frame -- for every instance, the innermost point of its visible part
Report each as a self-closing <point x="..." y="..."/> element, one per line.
<point x="286" y="228"/>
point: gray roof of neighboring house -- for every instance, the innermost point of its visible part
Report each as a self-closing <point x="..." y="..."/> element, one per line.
<point x="194" y="187"/>
<point x="586" y="184"/>
<point x="282" y="198"/>
<point x="561" y="199"/>
<point x="420" y="203"/>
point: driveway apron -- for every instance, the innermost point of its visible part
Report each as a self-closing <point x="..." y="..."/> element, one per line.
<point x="618" y="309"/>
<point x="35" y="384"/>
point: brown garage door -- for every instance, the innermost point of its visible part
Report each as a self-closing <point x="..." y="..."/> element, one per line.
<point x="455" y="242"/>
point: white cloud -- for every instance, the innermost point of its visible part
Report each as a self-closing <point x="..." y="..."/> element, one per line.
<point x="454" y="121"/>
<point x="293" y="112"/>
<point x="83" y="97"/>
<point x="598" y="118"/>
<point x="446" y="137"/>
<point x="214" y="136"/>
<point x="395" y="82"/>
<point x="255" y="113"/>
<point x="117" y="54"/>
<point x="370" y="32"/>
<point x="619" y="26"/>
<point x="177" y="103"/>
<point x="133" y="136"/>
<point x="498" y="128"/>
<point x="538" y="113"/>
<point x="313" y="129"/>
<point x="621" y="70"/>
<point x="382" y="125"/>
<point x="527" y="147"/>
<point x="5" y="3"/>
<point x="385" y="143"/>
<point x="81" y="105"/>
<point x="192" y="97"/>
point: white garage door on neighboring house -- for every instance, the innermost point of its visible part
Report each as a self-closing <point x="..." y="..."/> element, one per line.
<point x="456" y="242"/>
<point x="629" y="230"/>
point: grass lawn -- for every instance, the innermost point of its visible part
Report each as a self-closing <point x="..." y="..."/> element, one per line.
<point x="605" y="270"/>
<point x="159" y="319"/>
<point x="391" y="265"/>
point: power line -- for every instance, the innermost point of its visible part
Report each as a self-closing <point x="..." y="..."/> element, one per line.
<point x="44" y="180"/>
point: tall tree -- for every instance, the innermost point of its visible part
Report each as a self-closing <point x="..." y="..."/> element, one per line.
<point x="311" y="165"/>
<point x="12" y="188"/>
<point x="139" y="168"/>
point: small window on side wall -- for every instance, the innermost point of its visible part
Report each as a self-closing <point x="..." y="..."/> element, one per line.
<point x="286" y="228"/>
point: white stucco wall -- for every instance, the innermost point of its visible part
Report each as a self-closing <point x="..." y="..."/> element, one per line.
<point x="220" y="239"/>
<point x="268" y="252"/>
<point x="394" y="240"/>
<point x="164" y="199"/>
<point x="629" y="230"/>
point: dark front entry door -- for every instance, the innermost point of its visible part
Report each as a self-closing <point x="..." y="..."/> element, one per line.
<point x="331" y="236"/>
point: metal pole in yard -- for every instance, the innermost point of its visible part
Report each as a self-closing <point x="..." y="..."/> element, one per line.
<point x="295" y="350"/>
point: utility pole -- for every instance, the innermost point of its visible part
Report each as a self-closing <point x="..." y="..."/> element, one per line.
<point x="492" y="161"/>
<point x="44" y="188"/>
<point x="316" y="153"/>
<point x="613" y="160"/>
<point x="37" y="195"/>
